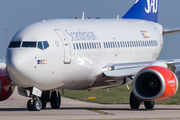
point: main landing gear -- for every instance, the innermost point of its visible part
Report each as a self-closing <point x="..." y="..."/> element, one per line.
<point x="55" y="100"/>
<point x="38" y="103"/>
<point x="135" y="103"/>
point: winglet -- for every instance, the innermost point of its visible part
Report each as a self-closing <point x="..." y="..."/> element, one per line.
<point x="144" y="9"/>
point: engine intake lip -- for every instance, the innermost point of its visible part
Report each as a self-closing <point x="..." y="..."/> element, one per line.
<point x="139" y="94"/>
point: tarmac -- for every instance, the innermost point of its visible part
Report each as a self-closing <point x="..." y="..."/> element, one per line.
<point x="15" y="109"/>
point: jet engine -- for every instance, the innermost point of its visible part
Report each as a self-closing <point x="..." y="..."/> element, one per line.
<point x="6" y="85"/>
<point x="154" y="83"/>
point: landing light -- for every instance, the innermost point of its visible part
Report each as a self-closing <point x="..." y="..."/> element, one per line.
<point x="110" y="68"/>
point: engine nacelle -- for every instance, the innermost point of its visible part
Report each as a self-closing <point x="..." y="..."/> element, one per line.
<point x="155" y="83"/>
<point x="6" y="85"/>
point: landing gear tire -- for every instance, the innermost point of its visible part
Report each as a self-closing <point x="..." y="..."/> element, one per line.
<point x="149" y="105"/>
<point x="30" y="105"/>
<point x="55" y="100"/>
<point x="134" y="102"/>
<point x="34" y="105"/>
<point x="37" y="105"/>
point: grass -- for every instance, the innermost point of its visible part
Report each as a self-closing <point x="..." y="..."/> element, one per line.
<point x="116" y="95"/>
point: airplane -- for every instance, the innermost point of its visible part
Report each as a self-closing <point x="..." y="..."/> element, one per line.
<point x="88" y="54"/>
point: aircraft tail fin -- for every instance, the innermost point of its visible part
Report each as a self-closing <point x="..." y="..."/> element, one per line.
<point x="143" y="9"/>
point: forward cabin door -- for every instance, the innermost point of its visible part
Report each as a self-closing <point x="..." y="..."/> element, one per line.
<point x="66" y="45"/>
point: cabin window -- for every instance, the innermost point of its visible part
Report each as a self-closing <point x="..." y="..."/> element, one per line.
<point x="90" y="45"/>
<point x="97" y="45"/>
<point x="100" y="45"/>
<point x="113" y="44"/>
<point x="123" y="44"/>
<point x="151" y="43"/>
<point x="82" y="46"/>
<point x="77" y="46"/>
<point x="94" y="45"/>
<point x="74" y="46"/>
<point x="127" y="44"/>
<point x="106" y="44"/>
<point x="118" y="44"/>
<point x="85" y="46"/>
<point x="136" y="43"/>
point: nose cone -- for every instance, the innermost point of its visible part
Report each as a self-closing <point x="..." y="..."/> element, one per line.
<point x="18" y="66"/>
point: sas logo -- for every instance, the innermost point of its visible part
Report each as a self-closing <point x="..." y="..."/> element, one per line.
<point x="152" y="6"/>
<point x="41" y="61"/>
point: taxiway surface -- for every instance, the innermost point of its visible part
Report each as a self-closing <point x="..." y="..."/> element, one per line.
<point x="15" y="109"/>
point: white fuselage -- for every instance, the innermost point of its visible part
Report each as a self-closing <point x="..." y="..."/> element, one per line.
<point x="78" y="50"/>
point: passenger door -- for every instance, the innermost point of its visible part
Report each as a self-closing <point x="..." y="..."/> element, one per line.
<point x="66" y="45"/>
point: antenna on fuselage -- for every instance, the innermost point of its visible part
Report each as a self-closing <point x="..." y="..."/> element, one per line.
<point x="83" y="16"/>
<point x="117" y="17"/>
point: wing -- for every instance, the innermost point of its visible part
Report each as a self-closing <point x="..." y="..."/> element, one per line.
<point x="130" y="69"/>
<point x="123" y="73"/>
<point x="167" y="31"/>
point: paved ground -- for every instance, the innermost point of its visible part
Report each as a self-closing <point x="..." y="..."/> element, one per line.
<point x="15" y="109"/>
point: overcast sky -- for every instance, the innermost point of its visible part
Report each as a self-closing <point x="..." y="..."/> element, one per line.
<point x="15" y="14"/>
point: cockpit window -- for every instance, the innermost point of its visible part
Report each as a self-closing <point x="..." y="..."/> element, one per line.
<point x="43" y="45"/>
<point x="40" y="46"/>
<point x="46" y="45"/>
<point x="15" y="44"/>
<point x="28" y="44"/>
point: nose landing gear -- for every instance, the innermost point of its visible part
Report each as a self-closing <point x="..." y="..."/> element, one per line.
<point x="38" y="103"/>
<point x="34" y="104"/>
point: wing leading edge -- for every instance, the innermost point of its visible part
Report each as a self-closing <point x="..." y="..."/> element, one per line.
<point x="130" y="69"/>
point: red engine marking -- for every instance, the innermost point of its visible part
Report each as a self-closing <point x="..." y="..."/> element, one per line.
<point x="6" y="85"/>
<point x="171" y="84"/>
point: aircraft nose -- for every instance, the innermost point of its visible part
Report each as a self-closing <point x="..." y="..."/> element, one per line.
<point x="18" y="65"/>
